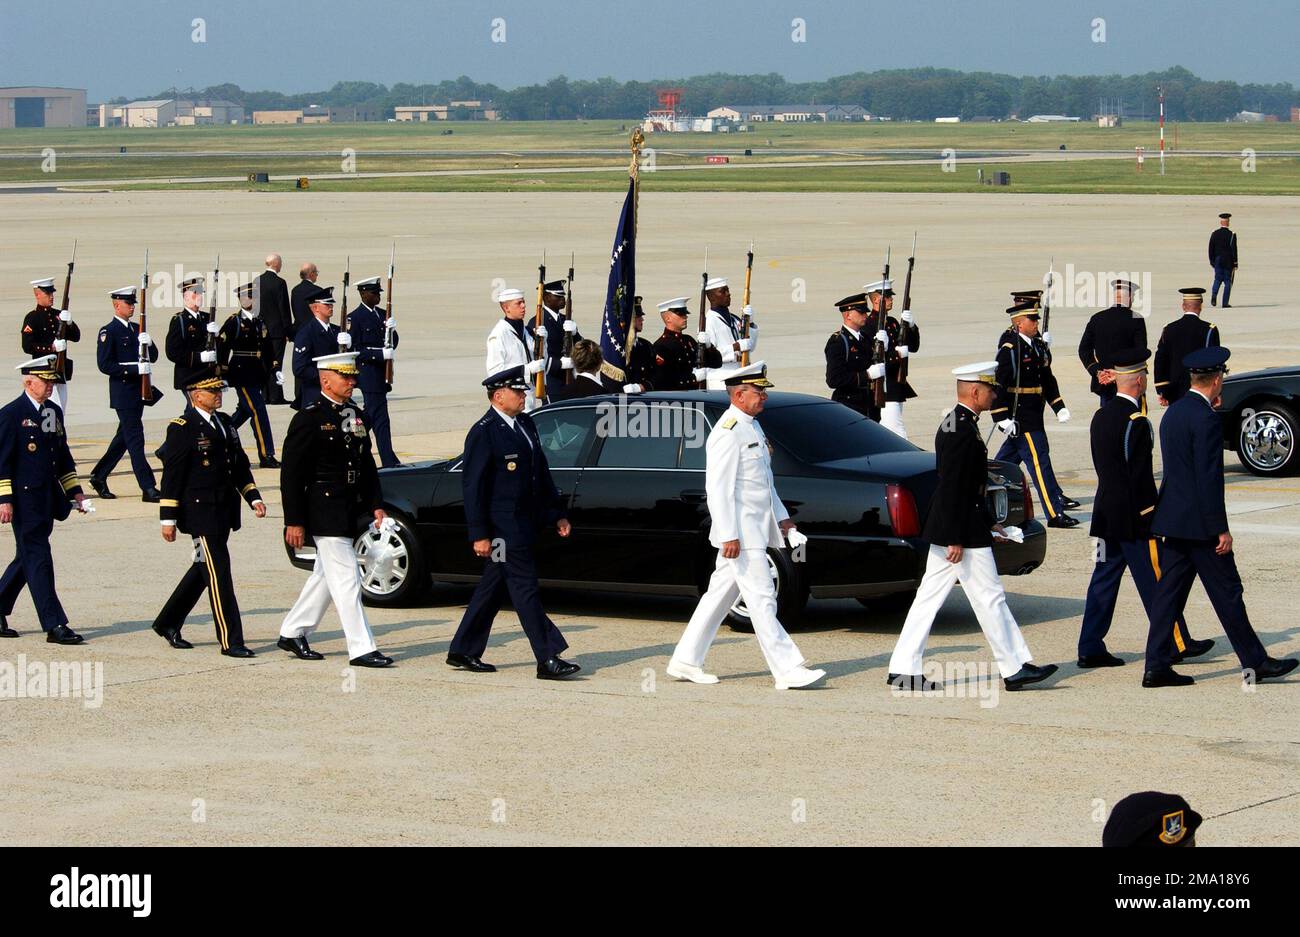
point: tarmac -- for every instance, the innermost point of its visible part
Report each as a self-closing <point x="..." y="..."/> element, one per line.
<point x="189" y="747"/>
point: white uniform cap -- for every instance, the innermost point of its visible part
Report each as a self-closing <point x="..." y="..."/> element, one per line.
<point x="370" y="283"/>
<point x="46" y="284"/>
<point x="343" y="362"/>
<point x="679" y="303"/>
<point x="715" y="283"/>
<point x="879" y="286"/>
<point x="123" y="292"/>
<point x="982" y="372"/>
<point x="509" y="295"/>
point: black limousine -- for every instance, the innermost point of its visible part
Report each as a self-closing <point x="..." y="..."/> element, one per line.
<point x="632" y="472"/>
<point x="1261" y="416"/>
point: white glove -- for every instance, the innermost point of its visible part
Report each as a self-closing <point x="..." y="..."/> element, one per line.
<point x="207" y="357"/>
<point x="145" y="339"/>
<point x="570" y="325"/>
<point x="87" y="506"/>
<point x="388" y="354"/>
<point x="876" y="371"/>
<point x="795" y="538"/>
<point x="390" y="323"/>
<point x="631" y="388"/>
<point x="1008" y="427"/>
<point x="700" y="374"/>
<point x="883" y="337"/>
<point x="703" y="339"/>
<point x="213" y="328"/>
<point x="902" y="351"/>
<point x="144" y="366"/>
<point x="566" y="364"/>
<point x="345" y="340"/>
<point x="540" y="332"/>
<point x="65" y="315"/>
<point x="748" y="311"/>
<point x="906" y="317"/>
<point x="60" y="344"/>
<point x="1063" y="415"/>
<point x="1047" y="338"/>
<point x="746" y="344"/>
<point x="279" y="378"/>
<point x="534" y="366"/>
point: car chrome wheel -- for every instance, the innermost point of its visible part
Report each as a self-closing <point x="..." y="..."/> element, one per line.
<point x="1267" y="441"/>
<point x="385" y="560"/>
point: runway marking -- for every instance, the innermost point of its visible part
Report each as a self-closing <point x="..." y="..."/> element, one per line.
<point x="1271" y="800"/>
<point x="1254" y="507"/>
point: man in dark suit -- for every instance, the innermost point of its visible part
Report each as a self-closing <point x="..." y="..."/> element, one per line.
<point x="1193" y="520"/>
<point x="1122" y="449"/>
<point x="302" y="291"/>
<point x="118" y="354"/>
<point x="273" y="304"/>
<point x="205" y="473"/>
<point x="509" y="496"/>
<point x="1111" y="330"/>
<point x="37" y="479"/>
<point x="370" y="334"/>
<point x="960" y="531"/>
<point x="1179" y="338"/>
<point x="316" y="338"/>
<point x="1223" y="258"/>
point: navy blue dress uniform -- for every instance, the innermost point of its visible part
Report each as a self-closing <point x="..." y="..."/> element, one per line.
<point x="205" y="474"/>
<point x="1191" y="517"/>
<point x="314" y="339"/>
<point x="190" y="347"/>
<point x="368" y="331"/>
<point x="245" y="353"/>
<point x="1108" y="332"/>
<point x="38" y="477"/>
<point x="1123" y="446"/>
<point x="509" y="495"/>
<point x="1026" y="387"/>
<point x="41" y="329"/>
<point x="1223" y="258"/>
<point x="553" y="321"/>
<point x="117" y="355"/>
<point x="1179" y="338"/>
<point x="676" y="354"/>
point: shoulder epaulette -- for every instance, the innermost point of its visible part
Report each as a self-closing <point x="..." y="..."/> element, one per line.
<point x="1136" y="415"/>
<point x="1213" y="326"/>
<point x="179" y="421"/>
<point x="1008" y="345"/>
<point x="728" y="423"/>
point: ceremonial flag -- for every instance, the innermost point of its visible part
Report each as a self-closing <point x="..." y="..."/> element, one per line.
<point x="620" y="295"/>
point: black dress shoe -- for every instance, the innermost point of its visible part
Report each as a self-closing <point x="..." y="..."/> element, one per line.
<point x="554" y="668"/>
<point x="1194" y="649"/>
<point x="5" y="630"/>
<point x="912" y="681"/>
<point x="1063" y="520"/>
<point x="269" y="462"/>
<point x="1214" y="301"/>
<point x="62" y="634"/>
<point x="1028" y="674"/>
<point x="373" y="659"/>
<point x="101" y="488"/>
<point x="469" y="662"/>
<point x="173" y="637"/>
<point x="299" y="648"/>
<point x="1104" y="659"/>
<point x="152" y="496"/>
<point x="1227" y="305"/>
<point x="1166" y="677"/>
<point x="238" y="650"/>
<point x="1274" y="667"/>
<point x="1070" y="504"/>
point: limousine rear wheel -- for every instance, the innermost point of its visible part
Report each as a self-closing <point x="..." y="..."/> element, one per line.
<point x="1266" y="439"/>
<point x="393" y="567"/>
<point x="791" y="594"/>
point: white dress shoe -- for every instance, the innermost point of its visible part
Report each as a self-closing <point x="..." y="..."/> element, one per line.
<point x="689" y="672"/>
<point x="798" y="677"/>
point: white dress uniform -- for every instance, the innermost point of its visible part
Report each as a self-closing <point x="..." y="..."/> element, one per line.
<point x="744" y="506"/>
<point x="724" y="332"/>
<point x="505" y="349"/>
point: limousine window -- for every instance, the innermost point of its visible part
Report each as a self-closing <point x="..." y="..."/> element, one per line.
<point x="817" y="433"/>
<point x="565" y="434"/>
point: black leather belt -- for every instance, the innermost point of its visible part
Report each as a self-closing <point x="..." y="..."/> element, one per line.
<point x="349" y="478"/>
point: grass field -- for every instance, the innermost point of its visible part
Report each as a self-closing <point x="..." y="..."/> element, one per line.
<point x="174" y="153"/>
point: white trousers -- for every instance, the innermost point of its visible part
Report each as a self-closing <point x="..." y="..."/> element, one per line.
<point x="335" y="576"/>
<point x="979" y="578"/>
<point x="891" y="418"/>
<point x="746" y="576"/>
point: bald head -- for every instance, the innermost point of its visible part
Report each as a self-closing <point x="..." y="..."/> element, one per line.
<point x="273" y="262"/>
<point x="308" y="271"/>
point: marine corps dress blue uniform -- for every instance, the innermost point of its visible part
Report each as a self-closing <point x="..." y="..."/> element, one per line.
<point x="40" y="336"/>
<point x="1026" y="386"/>
<point x="369" y="332"/>
<point x="1123" y="445"/>
<point x="1192" y="518"/>
<point x="1112" y="330"/>
<point x="38" y="478"/>
<point x="316" y="338"/>
<point x="205" y="473"/>
<point x="1178" y="339"/>
<point x="245" y="352"/>
<point x="509" y="496"/>
<point x="117" y="354"/>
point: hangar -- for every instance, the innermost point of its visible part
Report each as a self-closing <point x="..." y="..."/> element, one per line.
<point x="42" y="107"/>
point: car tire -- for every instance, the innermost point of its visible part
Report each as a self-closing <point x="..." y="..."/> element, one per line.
<point x="1266" y="443"/>
<point x="791" y="594"/>
<point x="394" y="571"/>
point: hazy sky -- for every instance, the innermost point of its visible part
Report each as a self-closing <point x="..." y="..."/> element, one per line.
<point x="137" y="47"/>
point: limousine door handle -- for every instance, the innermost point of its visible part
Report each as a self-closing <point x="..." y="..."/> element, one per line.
<point x="694" y="496"/>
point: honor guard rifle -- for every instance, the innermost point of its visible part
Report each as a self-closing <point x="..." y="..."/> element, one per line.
<point x="539" y="343"/>
<point x="343" y="300"/>
<point x="1047" y="295"/>
<point x="388" y="314"/>
<point x="878" y="350"/>
<point x="907" y="304"/>
<point x="704" y="310"/>
<point x="568" y="317"/>
<point x="744" y="303"/>
<point x="61" y="364"/>
<point x="211" y="343"/>
<point x="146" y="381"/>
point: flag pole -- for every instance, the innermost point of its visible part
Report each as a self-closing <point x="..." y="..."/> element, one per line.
<point x="634" y="172"/>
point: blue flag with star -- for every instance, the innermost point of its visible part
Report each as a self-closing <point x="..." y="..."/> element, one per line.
<point x="620" y="295"/>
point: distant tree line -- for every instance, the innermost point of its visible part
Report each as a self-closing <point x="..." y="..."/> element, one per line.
<point x="900" y="94"/>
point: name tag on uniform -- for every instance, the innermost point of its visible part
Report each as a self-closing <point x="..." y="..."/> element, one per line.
<point x="512" y="455"/>
<point x="752" y="445"/>
<point x="328" y="427"/>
